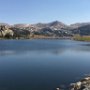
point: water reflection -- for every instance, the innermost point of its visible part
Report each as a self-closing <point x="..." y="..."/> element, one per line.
<point x="42" y="64"/>
<point x="13" y="47"/>
<point x="2" y="53"/>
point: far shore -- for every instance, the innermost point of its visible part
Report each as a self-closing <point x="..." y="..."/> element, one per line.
<point x="21" y="38"/>
<point x="76" y="38"/>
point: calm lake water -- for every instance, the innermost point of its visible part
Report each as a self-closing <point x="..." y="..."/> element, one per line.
<point x="42" y="64"/>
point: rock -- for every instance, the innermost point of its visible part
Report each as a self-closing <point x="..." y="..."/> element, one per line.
<point x="6" y="32"/>
<point x="21" y="33"/>
<point x="83" y="84"/>
<point x="57" y="89"/>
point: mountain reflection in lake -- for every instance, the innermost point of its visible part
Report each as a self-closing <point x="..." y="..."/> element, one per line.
<point x="42" y="64"/>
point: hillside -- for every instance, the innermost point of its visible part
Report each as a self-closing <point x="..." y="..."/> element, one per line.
<point x="55" y="28"/>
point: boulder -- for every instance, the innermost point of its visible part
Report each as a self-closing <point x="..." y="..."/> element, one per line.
<point x="6" y="32"/>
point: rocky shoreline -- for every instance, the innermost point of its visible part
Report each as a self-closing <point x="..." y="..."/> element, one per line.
<point x="83" y="84"/>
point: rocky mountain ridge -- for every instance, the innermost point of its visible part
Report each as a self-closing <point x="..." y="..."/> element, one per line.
<point x="55" y="25"/>
<point x="55" y="28"/>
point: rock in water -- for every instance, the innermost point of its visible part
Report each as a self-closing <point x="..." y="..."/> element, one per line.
<point x="83" y="84"/>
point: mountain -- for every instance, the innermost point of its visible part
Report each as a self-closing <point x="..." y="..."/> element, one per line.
<point x="81" y="28"/>
<point x="77" y="25"/>
<point x="84" y="30"/>
<point x="52" y="28"/>
<point x="21" y="25"/>
<point x="56" y="25"/>
<point x="5" y="24"/>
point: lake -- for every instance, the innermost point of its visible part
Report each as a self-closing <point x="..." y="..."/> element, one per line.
<point x="42" y="64"/>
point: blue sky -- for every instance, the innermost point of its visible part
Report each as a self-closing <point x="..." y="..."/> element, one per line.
<point x="33" y="11"/>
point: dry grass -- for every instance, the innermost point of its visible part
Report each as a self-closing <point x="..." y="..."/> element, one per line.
<point x="82" y="38"/>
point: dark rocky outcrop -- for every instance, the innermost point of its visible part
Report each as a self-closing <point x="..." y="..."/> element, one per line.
<point x="21" y="33"/>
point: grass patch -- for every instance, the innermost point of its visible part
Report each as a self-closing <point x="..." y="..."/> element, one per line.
<point x="82" y="38"/>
